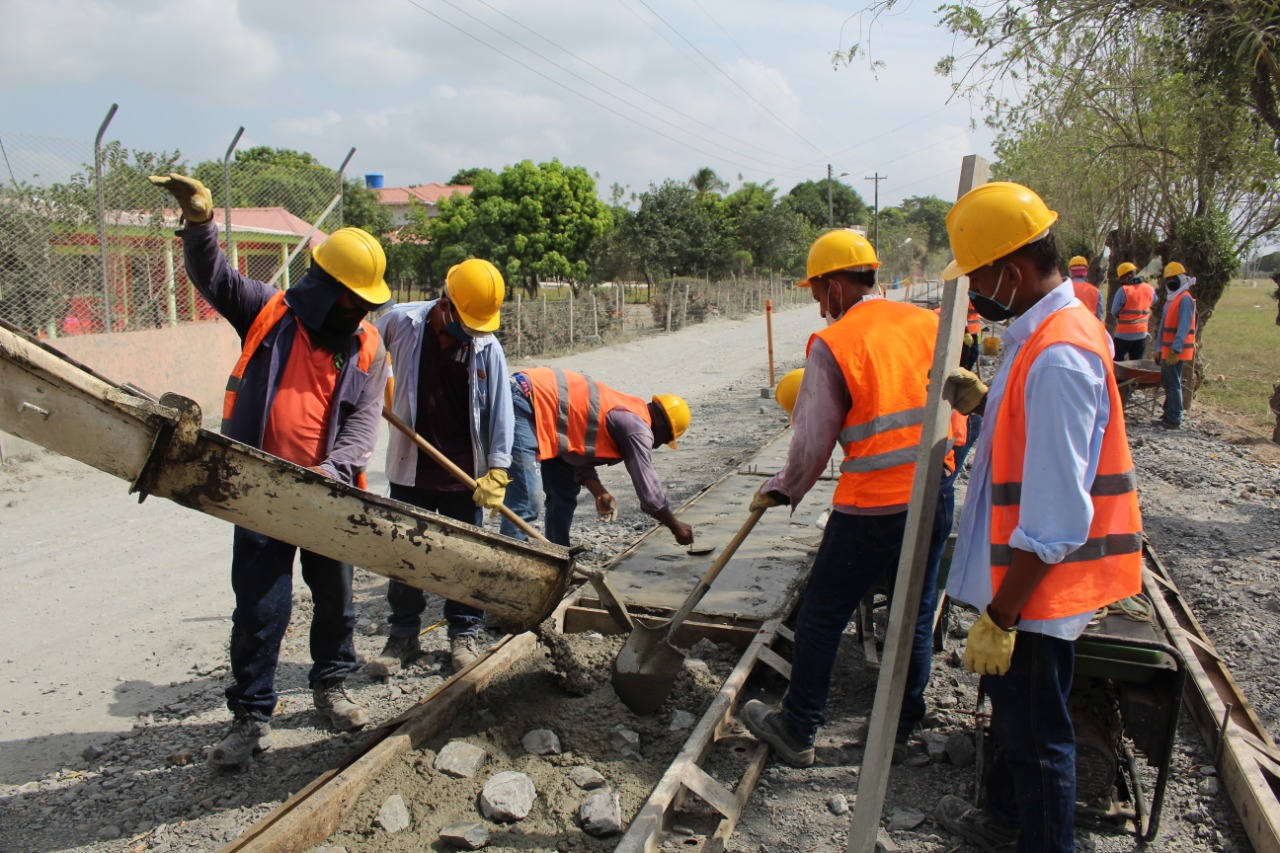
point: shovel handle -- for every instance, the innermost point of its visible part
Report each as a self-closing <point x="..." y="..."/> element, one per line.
<point x="461" y="476"/>
<point x="709" y="578"/>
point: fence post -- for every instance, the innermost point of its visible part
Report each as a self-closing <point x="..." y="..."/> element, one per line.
<point x="232" y="252"/>
<point x="595" y="316"/>
<point x="518" y="329"/>
<point x="342" y="185"/>
<point x="671" y="303"/>
<point x="684" y="308"/>
<point x="102" y="219"/>
<point x="570" y="304"/>
<point x="544" y="321"/>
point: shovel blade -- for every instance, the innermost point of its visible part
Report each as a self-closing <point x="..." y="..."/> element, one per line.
<point x="646" y="669"/>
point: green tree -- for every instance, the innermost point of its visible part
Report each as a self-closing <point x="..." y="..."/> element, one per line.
<point x="676" y="233"/>
<point x="706" y="182"/>
<point x="273" y="177"/>
<point x="847" y="208"/>
<point x="775" y="236"/>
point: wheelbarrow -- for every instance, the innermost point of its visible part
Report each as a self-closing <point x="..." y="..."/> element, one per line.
<point x="1139" y="375"/>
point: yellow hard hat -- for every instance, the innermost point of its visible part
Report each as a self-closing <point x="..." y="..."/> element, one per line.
<point x="476" y="290"/>
<point x="354" y="257"/>
<point x="788" y="389"/>
<point x="991" y="221"/>
<point x="1174" y="268"/>
<point x="842" y="249"/>
<point x="1125" y="268"/>
<point x="1078" y="261"/>
<point x="677" y="412"/>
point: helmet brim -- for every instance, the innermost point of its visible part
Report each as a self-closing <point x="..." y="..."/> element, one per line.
<point x="474" y="322"/>
<point x="952" y="271"/>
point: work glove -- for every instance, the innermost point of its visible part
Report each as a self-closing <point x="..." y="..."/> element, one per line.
<point x="491" y="489"/>
<point x="1171" y="359"/>
<point x="968" y="339"/>
<point x="193" y="197"/>
<point x="989" y="648"/>
<point x="607" y="507"/>
<point x="966" y="389"/>
<point x="764" y="500"/>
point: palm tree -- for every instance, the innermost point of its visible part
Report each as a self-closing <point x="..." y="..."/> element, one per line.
<point x="705" y="181"/>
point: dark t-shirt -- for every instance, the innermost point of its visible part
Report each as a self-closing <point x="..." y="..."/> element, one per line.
<point x="444" y="413"/>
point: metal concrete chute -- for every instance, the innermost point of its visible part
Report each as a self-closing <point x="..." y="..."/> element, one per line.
<point x="160" y="448"/>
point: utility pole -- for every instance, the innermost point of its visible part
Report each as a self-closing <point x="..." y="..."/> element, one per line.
<point x="875" y="226"/>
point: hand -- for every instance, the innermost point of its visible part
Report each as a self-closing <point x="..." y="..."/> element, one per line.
<point x="683" y="532"/>
<point x="764" y="500"/>
<point x="989" y="649"/>
<point x="966" y="389"/>
<point x="1171" y="359"/>
<point x="193" y="197"/>
<point x="491" y="489"/>
<point x="968" y="339"/>
<point x="606" y="507"/>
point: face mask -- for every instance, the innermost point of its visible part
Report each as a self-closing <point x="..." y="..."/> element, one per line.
<point x="454" y="328"/>
<point x="343" y="321"/>
<point x="831" y="316"/>
<point x="988" y="308"/>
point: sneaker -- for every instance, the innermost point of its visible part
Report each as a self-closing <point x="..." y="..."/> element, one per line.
<point x="399" y="652"/>
<point x="462" y="651"/>
<point x="765" y="723"/>
<point x="1168" y="425"/>
<point x="247" y="738"/>
<point x="337" y="706"/>
<point x="976" y="826"/>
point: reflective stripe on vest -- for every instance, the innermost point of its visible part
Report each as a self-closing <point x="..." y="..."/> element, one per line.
<point x="1108" y="566"/>
<point x="570" y="410"/>
<point x="1169" y="328"/>
<point x="1135" y="316"/>
<point x="884" y="351"/>
<point x="973" y="322"/>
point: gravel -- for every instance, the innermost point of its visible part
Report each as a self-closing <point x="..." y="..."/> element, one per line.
<point x="1210" y="508"/>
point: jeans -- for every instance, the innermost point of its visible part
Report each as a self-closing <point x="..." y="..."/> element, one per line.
<point x="1031" y="782"/>
<point x="856" y="552"/>
<point x="1130" y="350"/>
<point x="561" y="490"/>
<point x="524" y="492"/>
<point x="969" y="352"/>
<point x="262" y="579"/>
<point x="1172" y="378"/>
<point x="408" y="602"/>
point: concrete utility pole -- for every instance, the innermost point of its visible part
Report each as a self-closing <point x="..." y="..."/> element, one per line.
<point x="875" y="226"/>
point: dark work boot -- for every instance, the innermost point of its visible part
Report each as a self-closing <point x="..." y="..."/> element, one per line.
<point x="766" y="724"/>
<point x="247" y="738"/>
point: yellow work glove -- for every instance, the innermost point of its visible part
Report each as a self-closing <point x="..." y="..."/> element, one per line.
<point x="193" y="197"/>
<point x="989" y="649"/>
<point x="491" y="489"/>
<point x="1171" y="359"/>
<point x="764" y="500"/>
<point x="966" y="389"/>
<point x="968" y="339"/>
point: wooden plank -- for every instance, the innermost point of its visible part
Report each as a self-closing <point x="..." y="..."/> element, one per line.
<point x="719" y="840"/>
<point x="708" y="789"/>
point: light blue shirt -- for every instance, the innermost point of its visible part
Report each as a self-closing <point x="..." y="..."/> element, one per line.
<point x="492" y="419"/>
<point x="1068" y="408"/>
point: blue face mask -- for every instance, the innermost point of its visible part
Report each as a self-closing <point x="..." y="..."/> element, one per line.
<point x="988" y="307"/>
<point x="454" y="327"/>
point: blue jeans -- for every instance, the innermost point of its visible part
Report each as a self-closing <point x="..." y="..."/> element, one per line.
<point x="1031" y="782"/>
<point x="1172" y="378"/>
<point x="856" y="552"/>
<point x="408" y="602"/>
<point x="524" y="492"/>
<point x="561" y="491"/>
<point x="262" y="579"/>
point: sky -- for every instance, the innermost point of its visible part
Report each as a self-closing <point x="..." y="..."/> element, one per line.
<point x="635" y="91"/>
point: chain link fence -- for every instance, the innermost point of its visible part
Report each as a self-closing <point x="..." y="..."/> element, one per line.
<point x="87" y="245"/>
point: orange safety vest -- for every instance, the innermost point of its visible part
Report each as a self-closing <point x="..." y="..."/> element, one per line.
<point x="569" y="411"/>
<point x="1108" y="566"/>
<point x="884" y="350"/>
<point x="264" y="323"/>
<point x="1086" y="293"/>
<point x="1169" y="328"/>
<point x="973" y="323"/>
<point x="1135" y="316"/>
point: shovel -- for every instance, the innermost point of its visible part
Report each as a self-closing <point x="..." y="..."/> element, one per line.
<point x="610" y="599"/>
<point x="645" y="670"/>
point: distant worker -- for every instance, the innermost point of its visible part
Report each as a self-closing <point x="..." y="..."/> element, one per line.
<point x="1177" y="340"/>
<point x="308" y="389"/>
<point x="1050" y="529"/>
<point x="1132" y="310"/>
<point x="1086" y="292"/>
<point x="971" y="349"/>
<point x="864" y="387"/>
<point x="450" y="384"/>
<point x="577" y="424"/>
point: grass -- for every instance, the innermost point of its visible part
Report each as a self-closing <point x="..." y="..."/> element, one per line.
<point x="1240" y="351"/>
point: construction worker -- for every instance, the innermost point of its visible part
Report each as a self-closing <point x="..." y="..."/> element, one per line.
<point x="1050" y="529"/>
<point x="1132" y="310"/>
<point x="864" y="385"/>
<point x="451" y="386"/>
<point x="1177" y="340"/>
<point x="307" y="388"/>
<point x="576" y="425"/>
<point x="970" y="351"/>
<point x="788" y="389"/>
<point x="1089" y="295"/>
